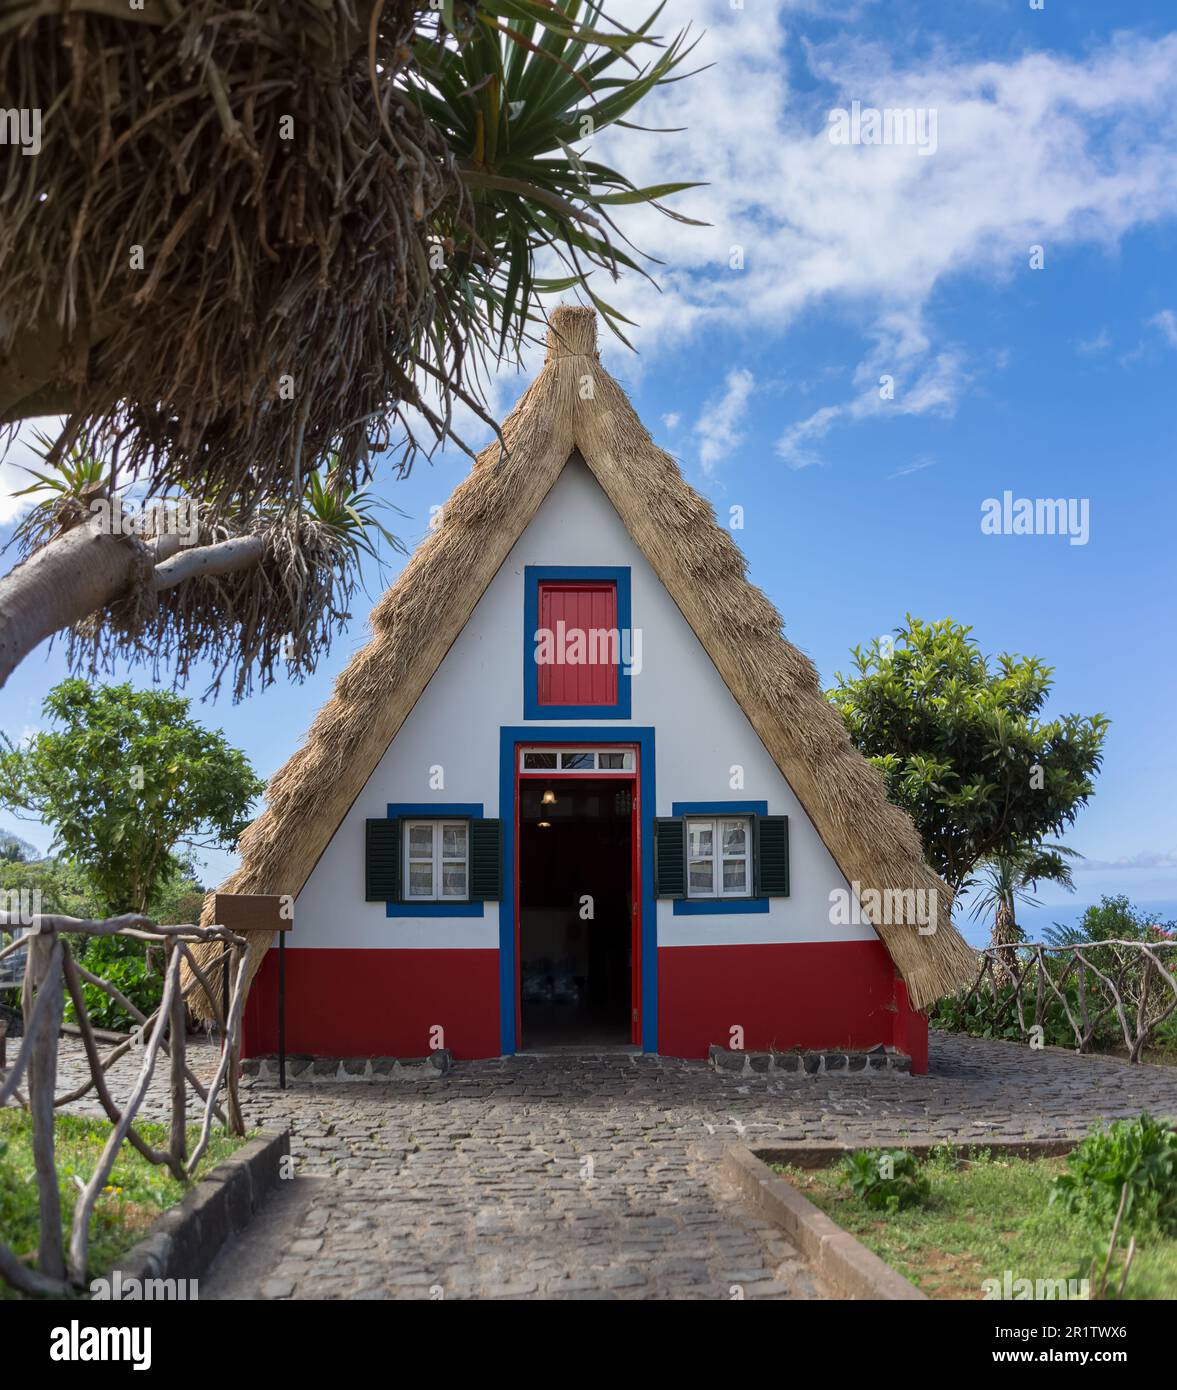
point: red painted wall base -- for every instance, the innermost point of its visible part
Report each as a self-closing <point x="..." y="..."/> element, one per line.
<point x="810" y="995"/>
<point x="377" y="1004"/>
<point x="351" y="1003"/>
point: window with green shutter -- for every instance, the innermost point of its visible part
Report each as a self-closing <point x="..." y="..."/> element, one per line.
<point x="433" y="860"/>
<point x="721" y="856"/>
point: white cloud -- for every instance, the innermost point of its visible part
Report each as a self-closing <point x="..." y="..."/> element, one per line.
<point x="1097" y="343"/>
<point x="1040" y="149"/>
<point x="915" y="466"/>
<point x="671" y="420"/>
<point x="718" y="425"/>
<point x="1166" y="323"/>
<point x="1146" y="859"/>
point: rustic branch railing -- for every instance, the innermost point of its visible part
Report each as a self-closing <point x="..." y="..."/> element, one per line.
<point x="51" y="972"/>
<point x="1093" y="981"/>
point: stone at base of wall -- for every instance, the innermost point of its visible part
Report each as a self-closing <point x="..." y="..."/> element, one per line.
<point x="883" y="1060"/>
<point x="305" y="1070"/>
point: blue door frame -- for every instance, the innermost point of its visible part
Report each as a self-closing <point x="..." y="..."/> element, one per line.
<point x="509" y="739"/>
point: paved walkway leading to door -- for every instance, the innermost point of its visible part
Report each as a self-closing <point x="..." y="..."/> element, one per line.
<point x="598" y="1176"/>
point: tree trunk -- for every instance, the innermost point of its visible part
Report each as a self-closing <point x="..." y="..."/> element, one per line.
<point x="60" y="584"/>
<point x="1006" y="935"/>
<point x="86" y="570"/>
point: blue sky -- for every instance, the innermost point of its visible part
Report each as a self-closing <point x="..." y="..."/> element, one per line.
<point x="1054" y="128"/>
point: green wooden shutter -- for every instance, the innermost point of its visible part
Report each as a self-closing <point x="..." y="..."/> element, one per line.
<point x="771" y="848"/>
<point x="382" y="860"/>
<point x="486" y="860"/>
<point x="670" y="858"/>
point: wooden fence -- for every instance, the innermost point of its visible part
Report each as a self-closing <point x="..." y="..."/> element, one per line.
<point x="51" y="973"/>
<point x="1134" y="982"/>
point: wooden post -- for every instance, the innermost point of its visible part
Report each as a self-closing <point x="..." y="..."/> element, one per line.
<point x="261" y="912"/>
<point x="177" y="1028"/>
<point x="43" y="972"/>
<point x="233" y="1042"/>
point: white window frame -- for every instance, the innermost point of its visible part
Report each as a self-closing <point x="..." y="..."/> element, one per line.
<point x="594" y="768"/>
<point x="437" y="827"/>
<point x="717" y="856"/>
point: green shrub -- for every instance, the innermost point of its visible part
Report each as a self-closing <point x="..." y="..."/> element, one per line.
<point x="1141" y="1154"/>
<point x="122" y="962"/>
<point x="885" y="1179"/>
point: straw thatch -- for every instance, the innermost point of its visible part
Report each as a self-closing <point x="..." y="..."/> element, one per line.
<point x="575" y="405"/>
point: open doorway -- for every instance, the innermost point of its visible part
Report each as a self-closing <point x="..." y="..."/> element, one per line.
<point x="576" y="911"/>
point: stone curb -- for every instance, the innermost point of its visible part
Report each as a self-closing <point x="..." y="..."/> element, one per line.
<point x="801" y="1064"/>
<point x="835" y="1256"/>
<point x="303" y="1069"/>
<point x="188" y="1237"/>
<point x="823" y="1155"/>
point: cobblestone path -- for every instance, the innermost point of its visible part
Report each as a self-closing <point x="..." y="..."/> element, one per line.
<point x="597" y="1176"/>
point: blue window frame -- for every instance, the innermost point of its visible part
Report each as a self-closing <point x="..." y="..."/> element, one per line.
<point x="434" y="810"/>
<point x="718" y="907"/>
<point x="533" y="576"/>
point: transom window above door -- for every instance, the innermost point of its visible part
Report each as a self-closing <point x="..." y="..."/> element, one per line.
<point x="719" y="857"/>
<point x="584" y="760"/>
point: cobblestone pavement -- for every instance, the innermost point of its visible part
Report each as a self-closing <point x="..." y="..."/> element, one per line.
<point x="591" y="1176"/>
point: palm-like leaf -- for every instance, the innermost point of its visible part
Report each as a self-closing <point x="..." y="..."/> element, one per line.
<point x="519" y="108"/>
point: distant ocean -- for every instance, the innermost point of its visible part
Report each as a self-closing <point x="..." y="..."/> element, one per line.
<point x="1033" y="918"/>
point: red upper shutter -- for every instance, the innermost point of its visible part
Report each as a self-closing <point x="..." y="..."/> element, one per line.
<point x="590" y="610"/>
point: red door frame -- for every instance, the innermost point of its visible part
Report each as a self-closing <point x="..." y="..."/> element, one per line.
<point x="633" y="777"/>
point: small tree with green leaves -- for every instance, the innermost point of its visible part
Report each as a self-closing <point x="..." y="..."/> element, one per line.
<point x="962" y="744"/>
<point x="124" y="779"/>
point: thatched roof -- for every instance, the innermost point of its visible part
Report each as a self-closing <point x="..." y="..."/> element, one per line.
<point x="421" y="615"/>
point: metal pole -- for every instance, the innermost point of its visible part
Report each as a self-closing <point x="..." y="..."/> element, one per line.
<point x="282" y="1010"/>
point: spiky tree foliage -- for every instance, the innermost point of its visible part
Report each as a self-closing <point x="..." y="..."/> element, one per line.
<point x="262" y="233"/>
<point x="1009" y="879"/>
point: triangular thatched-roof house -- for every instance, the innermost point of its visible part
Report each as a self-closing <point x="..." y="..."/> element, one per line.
<point x="579" y="788"/>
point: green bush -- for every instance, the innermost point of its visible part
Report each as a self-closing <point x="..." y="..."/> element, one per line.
<point x="122" y="962"/>
<point x="1141" y="1154"/>
<point x="886" y="1179"/>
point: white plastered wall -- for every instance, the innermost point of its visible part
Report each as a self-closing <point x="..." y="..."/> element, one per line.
<point x="700" y="734"/>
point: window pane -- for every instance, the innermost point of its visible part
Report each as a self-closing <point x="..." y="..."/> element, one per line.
<point x="577" y="760"/>
<point x="611" y="760"/>
<point x="453" y="880"/>
<point x="702" y="876"/>
<point x="539" y="760"/>
<point x="735" y="875"/>
<point x="420" y="841"/>
<point x="420" y="880"/>
<point x="735" y="836"/>
<point x="700" y="833"/>
<point x="453" y="842"/>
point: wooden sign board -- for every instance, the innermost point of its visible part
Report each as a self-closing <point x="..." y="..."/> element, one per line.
<point x="241" y="912"/>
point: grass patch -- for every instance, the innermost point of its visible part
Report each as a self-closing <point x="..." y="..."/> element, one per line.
<point x="984" y="1216"/>
<point x="136" y="1193"/>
